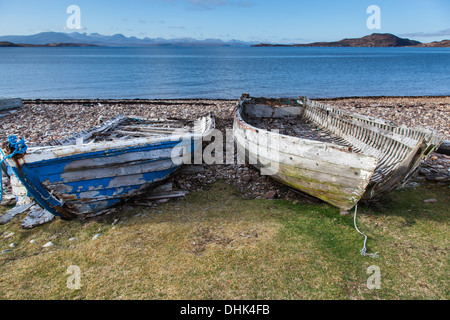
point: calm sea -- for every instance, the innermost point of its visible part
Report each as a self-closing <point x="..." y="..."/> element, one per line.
<point x="222" y="72"/>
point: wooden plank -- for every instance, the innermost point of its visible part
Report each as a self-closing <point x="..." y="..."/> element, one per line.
<point x="166" y="195"/>
<point x="125" y="159"/>
<point x="110" y="172"/>
<point x="10" y="214"/>
<point x="148" y="133"/>
<point x="326" y="152"/>
<point x="315" y="165"/>
<point x="37" y="217"/>
<point x="6" y="104"/>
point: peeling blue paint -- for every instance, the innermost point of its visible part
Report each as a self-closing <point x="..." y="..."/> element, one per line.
<point x="45" y="179"/>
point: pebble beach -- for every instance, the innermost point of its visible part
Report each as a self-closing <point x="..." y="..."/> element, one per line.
<point x="40" y="121"/>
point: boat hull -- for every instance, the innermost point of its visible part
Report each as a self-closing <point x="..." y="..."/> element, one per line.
<point x="361" y="158"/>
<point x="303" y="166"/>
<point x="88" y="179"/>
<point x="89" y="183"/>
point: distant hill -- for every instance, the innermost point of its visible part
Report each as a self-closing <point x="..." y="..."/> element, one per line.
<point x="443" y="43"/>
<point x="373" y="40"/>
<point x="7" y="44"/>
<point x="58" y="44"/>
<point x="116" y="40"/>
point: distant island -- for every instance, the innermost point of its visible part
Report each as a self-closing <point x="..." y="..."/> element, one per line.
<point x="373" y="40"/>
<point x="56" y="44"/>
<point x="443" y="43"/>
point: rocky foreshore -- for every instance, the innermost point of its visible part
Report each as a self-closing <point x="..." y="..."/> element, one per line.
<point x="40" y="121"/>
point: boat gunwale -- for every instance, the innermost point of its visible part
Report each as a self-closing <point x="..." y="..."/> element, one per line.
<point x="49" y="153"/>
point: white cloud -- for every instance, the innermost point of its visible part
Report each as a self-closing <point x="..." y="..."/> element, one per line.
<point x="440" y="33"/>
<point x="212" y="4"/>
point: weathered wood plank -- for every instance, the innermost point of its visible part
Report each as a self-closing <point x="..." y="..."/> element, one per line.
<point x="10" y="214"/>
<point x="36" y="217"/>
<point x="326" y="152"/>
<point x="167" y="195"/>
<point x="118" y="160"/>
<point x="117" y="171"/>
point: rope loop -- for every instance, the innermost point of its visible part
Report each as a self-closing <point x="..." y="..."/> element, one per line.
<point x="363" y="251"/>
<point x="17" y="147"/>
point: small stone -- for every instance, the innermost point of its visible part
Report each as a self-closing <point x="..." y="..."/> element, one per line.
<point x="6" y="251"/>
<point x="32" y="241"/>
<point x="73" y="239"/>
<point x="13" y="245"/>
<point x="9" y="235"/>
<point x="430" y="200"/>
<point x="98" y="235"/>
<point x="48" y="244"/>
<point x="413" y="184"/>
<point x="270" y="194"/>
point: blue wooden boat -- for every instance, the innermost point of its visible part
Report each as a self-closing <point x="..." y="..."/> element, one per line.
<point x="94" y="170"/>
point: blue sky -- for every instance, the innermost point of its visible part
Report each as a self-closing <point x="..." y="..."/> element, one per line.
<point x="277" y="21"/>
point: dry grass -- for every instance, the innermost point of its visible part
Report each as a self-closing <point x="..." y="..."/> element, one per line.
<point x="216" y="245"/>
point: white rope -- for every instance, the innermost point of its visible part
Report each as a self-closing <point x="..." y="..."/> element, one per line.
<point x="364" y="249"/>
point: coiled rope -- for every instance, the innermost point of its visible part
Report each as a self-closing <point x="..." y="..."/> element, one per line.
<point x="364" y="249"/>
<point x="17" y="147"/>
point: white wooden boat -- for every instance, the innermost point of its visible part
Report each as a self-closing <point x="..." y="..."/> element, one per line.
<point x="331" y="154"/>
<point x="94" y="170"/>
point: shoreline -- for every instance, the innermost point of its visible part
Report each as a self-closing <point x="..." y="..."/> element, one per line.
<point x="154" y="100"/>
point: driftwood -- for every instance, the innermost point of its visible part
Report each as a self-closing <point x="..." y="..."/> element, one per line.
<point x="160" y="193"/>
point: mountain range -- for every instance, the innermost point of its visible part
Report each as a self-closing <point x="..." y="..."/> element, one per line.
<point x="117" y="40"/>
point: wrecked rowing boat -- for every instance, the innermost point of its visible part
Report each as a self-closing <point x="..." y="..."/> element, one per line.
<point x="331" y="154"/>
<point x="90" y="172"/>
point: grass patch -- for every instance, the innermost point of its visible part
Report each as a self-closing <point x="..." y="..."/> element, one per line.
<point x="217" y="245"/>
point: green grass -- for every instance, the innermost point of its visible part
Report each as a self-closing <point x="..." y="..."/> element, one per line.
<point x="216" y="245"/>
